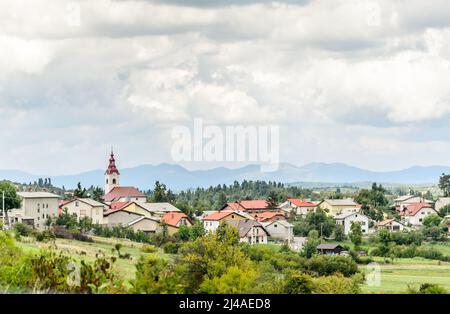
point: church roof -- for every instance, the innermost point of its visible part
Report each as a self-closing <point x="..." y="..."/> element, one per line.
<point x="119" y="192"/>
<point x="112" y="165"/>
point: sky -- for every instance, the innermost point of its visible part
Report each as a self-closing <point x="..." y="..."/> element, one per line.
<point x="365" y="83"/>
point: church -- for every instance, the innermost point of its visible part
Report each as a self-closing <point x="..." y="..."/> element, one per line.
<point x="116" y="193"/>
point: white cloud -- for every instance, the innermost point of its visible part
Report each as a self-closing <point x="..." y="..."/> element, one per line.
<point x="325" y="71"/>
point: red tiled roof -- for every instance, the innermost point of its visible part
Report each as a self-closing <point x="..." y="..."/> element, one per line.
<point x="413" y="209"/>
<point x="117" y="206"/>
<point x="385" y="222"/>
<point x="219" y="215"/>
<point x="254" y="204"/>
<point x="301" y="203"/>
<point x="267" y="215"/>
<point x="173" y="218"/>
<point x="122" y="191"/>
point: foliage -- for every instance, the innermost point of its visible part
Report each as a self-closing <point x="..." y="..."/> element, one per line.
<point x="298" y="283"/>
<point x="356" y="234"/>
<point x="339" y="234"/>
<point x="235" y="280"/>
<point x="22" y="229"/>
<point x="11" y="199"/>
<point x="310" y="247"/>
<point x="337" y="284"/>
<point x="444" y="184"/>
<point x="428" y="288"/>
<point x="373" y="201"/>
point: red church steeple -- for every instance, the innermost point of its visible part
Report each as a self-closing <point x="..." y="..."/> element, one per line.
<point x="112" y="169"/>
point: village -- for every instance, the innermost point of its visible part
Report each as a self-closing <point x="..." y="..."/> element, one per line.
<point x="257" y="221"/>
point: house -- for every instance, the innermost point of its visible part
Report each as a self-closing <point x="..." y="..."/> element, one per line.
<point x="441" y="202"/>
<point x="116" y="193"/>
<point x="250" y="206"/>
<point x="414" y="214"/>
<point x="159" y="209"/>
<point x="125" y="194"/>
<point x="391" y="225"/>
<point x="280" y="230"/>
<point x="347" y="219"/>
<point x="403" y="201"/>
<point x="336" y="206"/>
<point x="330" y="249"/>
<point x="145" y="224"/>
<point x="297" y="206"/>
<point x="269" y="216"/>
<point x="121" y="214"/>
<point x="36" y="208"/>
<point x="250" y="231"/>
<point x="212" y="221"/>
<point x="175" y="220"/>
<point x="85" y="207"/>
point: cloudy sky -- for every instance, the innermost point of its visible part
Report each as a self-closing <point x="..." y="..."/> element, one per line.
<point x="361" y="82"/>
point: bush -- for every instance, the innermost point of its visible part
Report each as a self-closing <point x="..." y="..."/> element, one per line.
<point x="330" y="265"/>
<point x="336" y="284"/>
<point x="170" y="248"/>
<point x="22" y="229"/>
<point x="44" y="236"/>
<point x="298" y="283"/>
<point x="428" y="288"/>
<point x="147" y="248"/>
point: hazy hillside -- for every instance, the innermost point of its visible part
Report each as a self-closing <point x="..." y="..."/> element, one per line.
<point x="177" y="177"/>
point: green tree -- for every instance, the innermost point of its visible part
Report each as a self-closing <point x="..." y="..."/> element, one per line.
<point x="310" y="247"/>
<point x="356" y="234"/>
<point x="298" y="283"/>
<point x="272" y="200"/>
<point x="339" y="234"/>
<point x="11" y="199"/>
<point x="444" y="211"/>
<point x="97" y="194"/>
<point x="234" y="281"/>
<point x="160" y="193"/>
<point x="79" y="192"/>
<point x="444" y="184"/>
<point x="432" y="220"/>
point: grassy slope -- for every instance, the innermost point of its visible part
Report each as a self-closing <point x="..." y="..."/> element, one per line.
<point x="88" y="251"/>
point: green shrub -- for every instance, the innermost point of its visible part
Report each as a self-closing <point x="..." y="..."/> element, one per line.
<point x="147" y="248"/>
<point x="170" y="248"/>
<point x="22" y="229"/>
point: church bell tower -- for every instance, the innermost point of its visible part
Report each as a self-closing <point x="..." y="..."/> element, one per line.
<point x="112" y="174"/>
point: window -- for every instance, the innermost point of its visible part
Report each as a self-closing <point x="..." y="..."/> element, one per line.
<point x="77" y="204"/>
<point x="114" y="181"/>
<point x="106" y="181"/>
<point x="275" y="225"/>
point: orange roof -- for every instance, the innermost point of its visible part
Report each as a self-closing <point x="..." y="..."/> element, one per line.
<point x="267" y="215"/>
<point x="117" y="206"/>
<point x="122" y="191"/>
<point x="247" y="205"/>
<point x="413" y="209"/>
<point x="172" y="219"/>
<point x="385" y="222"/>
<point x="301" y="203"/>
<point x="220" y="215"/>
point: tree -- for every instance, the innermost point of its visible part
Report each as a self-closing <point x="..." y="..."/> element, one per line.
<point x="160" y="193"/>
<point x="310" y="247"/>
<point x="272" y="200"/>
<point x="298" y="283"/>
<point x="222" y="199"/>
<point x="85" y="224"/>
<point x="11" y="199"/>
<point x="432" y="220"/>
<point x="97" y="194"/>
<point x="339" y="234"/>
<point x="356" y="234"/>
<point x="444" y="211"/>
<point x="444" y="184"/>
<point x="79" y="192"/>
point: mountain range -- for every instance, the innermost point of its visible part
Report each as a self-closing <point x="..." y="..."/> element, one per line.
<point x="179" y="178"/>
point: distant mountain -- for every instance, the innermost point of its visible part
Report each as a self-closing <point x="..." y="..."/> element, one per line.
<point x="178" y="178"/>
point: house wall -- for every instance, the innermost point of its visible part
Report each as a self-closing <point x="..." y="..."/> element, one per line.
<point x="146" y="225"/>
<point x="334" y="210"/>
<point x="121" y="218"/>
<point x="212" y="225"/>
<point x="40" y="209"/>
<point x="256" y="235"/>
<point x="141" y="199"/>
<point x="82" y="209"/>
<point x="394" y="226"/>
<point x="347" y="223"/>
<point x="280" y="232"/>
<point x="417" y="220"/>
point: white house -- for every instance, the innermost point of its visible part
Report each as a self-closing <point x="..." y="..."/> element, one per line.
<point x="414" y="214"/>
<point x="280" y="230"/>
<point x="403" y="201"/>
<point x="212" y="221"/>
<point x="36" y="208"/>
<point x="348" y="218"/>
<point x="250" y="231"/>
<point x="391" y="225"/>
<point x="86" y="207"/>
<point x="297" y="206"/>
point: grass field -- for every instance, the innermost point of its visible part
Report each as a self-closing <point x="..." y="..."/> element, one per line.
<point x="395" y="277"/>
